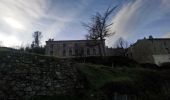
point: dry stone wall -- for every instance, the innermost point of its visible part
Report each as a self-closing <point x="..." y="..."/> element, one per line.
<point x="24" y="75"/>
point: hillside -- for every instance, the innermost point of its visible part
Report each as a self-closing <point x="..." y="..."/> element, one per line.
<point x="38" y="77"/>
<point x="126" y="83"/>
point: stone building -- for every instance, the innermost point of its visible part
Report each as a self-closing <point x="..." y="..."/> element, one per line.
<point x="151" y="50"/>
<point x="75" y="48"/>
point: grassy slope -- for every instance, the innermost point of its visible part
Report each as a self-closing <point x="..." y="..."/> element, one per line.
<point x="124" y="80"/>
<point x="98" y="75"/>
<point x="5" y="51"/>
<point x="146" y="83"/>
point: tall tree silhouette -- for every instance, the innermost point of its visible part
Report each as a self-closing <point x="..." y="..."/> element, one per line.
<point x="37" y="37"/>
<point x="99" y="28"/>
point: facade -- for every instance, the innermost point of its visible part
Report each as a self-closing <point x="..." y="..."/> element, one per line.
<point x="152" y="50"/>
<point x="74" y="48"/>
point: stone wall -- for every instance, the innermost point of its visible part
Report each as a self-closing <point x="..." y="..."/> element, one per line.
<point x="25" y="75"/>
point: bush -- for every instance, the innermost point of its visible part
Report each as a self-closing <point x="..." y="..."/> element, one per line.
<point x="107" y="61"/>
<point x="150" y="66"/>
<point x="165" y="65"/>
<point x="37" y="50"/>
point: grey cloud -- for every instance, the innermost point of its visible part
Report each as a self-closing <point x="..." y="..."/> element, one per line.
<point x="135" y="16"/>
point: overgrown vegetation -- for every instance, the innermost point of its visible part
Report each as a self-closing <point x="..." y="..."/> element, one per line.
<point x="35" y="46"/>
<point x="141" y="83"/>
<point x="112" y="61"/>
<point x="103" y="78"/>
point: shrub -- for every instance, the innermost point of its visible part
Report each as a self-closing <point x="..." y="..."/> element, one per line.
<point x="107" y="61"/>
<point x="165" y="65"/>
<point x="149" y="65"/>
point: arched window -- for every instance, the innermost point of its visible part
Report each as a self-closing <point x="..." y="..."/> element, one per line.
<point x="88" y="51"/>
<point x="76" y="52"/>
<point x="64" y="52"/>
<point x="64" y="45"/>
<point x="70" y="51"/>
<point x="51" y="52"/>
<point x="81" y="51"/>
<point x="94" y="51"/>
<point x="51" y="46"/>
<point x="75" y="45"/>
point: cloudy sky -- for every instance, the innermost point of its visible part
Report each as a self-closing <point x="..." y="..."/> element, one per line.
<point x="62" y="19"/>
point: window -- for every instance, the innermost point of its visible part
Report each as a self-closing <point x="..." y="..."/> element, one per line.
<point x="76" y="52"/>
<point x="76" y="45"/>
<point x="51" y="52"/>
<point x="88" y="51"/>
<point x="64" y="52"/>
<point x="51" y="46"/>
<point x="81" y="51"/>
<point x="94" y="51"/>
<point x="165" y="43"/>
<point x="51" y="49"/>
<point x="167" y="50"/>
<point x="64" y="45"/>
<point x="70" y="51"/>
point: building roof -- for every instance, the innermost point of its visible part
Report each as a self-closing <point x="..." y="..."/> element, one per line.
<point x="72" y="40"/>
<point x="153" y="39"/>
<point x="159" y="39"/>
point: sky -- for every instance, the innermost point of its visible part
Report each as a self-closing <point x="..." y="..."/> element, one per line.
<point x="62" y="19"/>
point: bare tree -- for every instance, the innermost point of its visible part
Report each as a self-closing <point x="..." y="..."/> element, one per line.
<point x="37" y="36"/>
<point x="121" y="43"/>
<point x="99" y="28"/>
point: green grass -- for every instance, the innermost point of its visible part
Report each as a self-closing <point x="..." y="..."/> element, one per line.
<point x="123" y="80"/>
<point x="57" y="97"/>
<point x="98" y="75"/>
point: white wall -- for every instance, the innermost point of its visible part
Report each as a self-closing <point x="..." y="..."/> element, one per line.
<point x="159" y="59"/>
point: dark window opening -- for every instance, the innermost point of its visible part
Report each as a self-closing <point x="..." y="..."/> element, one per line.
<point x="51" y="52"/>
<point x="70" y="52"/>
<point x="165" y="43"/>
<point x="81" y="51"/>
<point x="64" y="53"/>
<point x="51" y="46"/>
<point x="76" y="45"/>
<point x="94" y="51"/>
<point x="168" y="50"/>
<point x="88" y="51"/>
<point x="64" y="45"/>
<point x="76" y="52"/>
<point x="131" y="55"/>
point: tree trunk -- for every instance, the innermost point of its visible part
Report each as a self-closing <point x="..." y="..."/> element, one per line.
<point x="100" y="50"/>
<point x="102" y="47"/>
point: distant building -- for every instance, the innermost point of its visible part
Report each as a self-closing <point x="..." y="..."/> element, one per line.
<point x="152" y="50"/>
<point x="74" y="48"/>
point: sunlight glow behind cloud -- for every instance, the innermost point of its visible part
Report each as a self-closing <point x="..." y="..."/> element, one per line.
<point x="9" y="40"/>
<point x="14" y="23"/>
